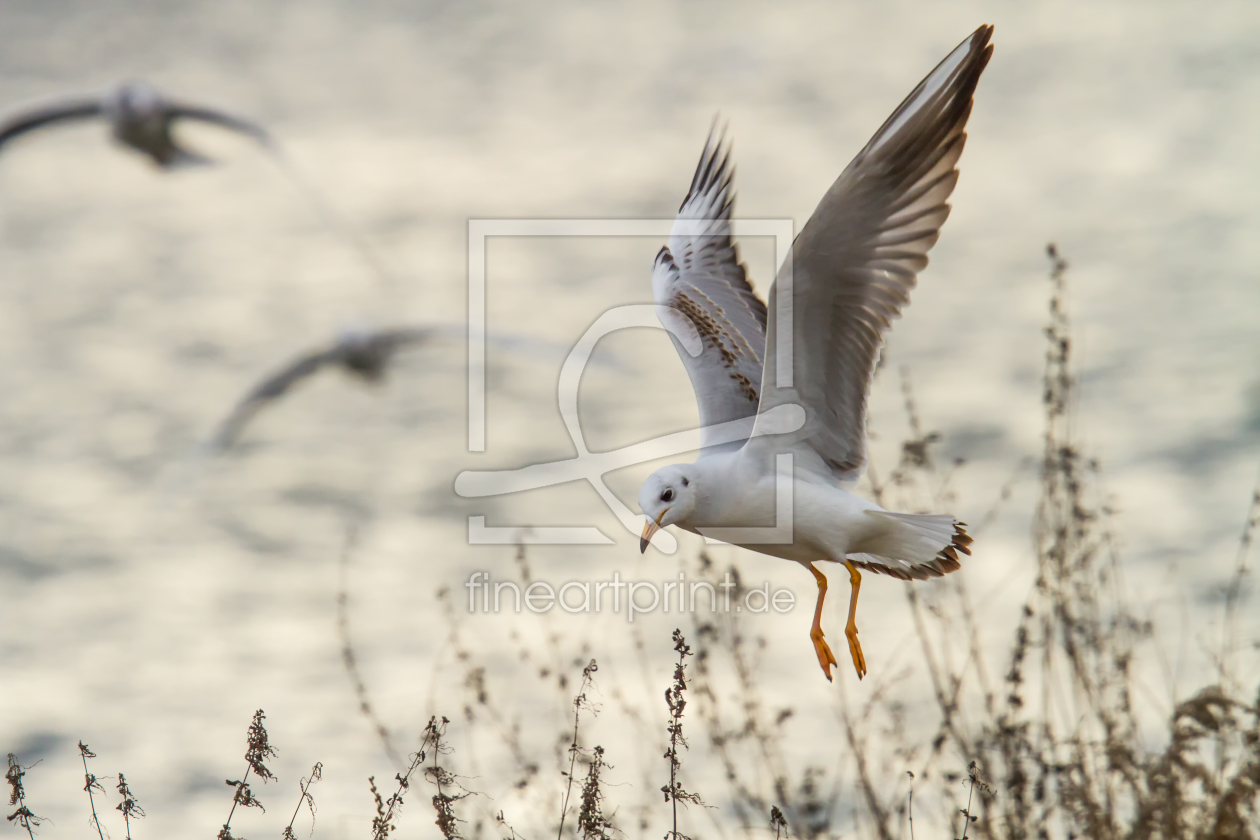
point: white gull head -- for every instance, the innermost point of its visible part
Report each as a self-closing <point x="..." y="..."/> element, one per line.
<point x="667" y="497"/>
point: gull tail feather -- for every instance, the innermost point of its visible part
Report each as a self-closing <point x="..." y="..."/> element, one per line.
<point x="913" y="546"/>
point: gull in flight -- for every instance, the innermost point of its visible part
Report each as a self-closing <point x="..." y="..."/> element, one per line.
<point x="365" y="355"/>
<point x="142" y="118"/>
<point x="849" y="273"/>
<point x="139" y="117"/>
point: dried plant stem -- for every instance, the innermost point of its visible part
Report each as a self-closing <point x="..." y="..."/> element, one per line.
<point x="579" y="701"/>
<point x="446" y="822"/>
<point x="676" y="702"/>
<point x="500" y="820"/>
<point x="348" y="657"/>
<point x="90" y="783"/>
<point x="750" y="745"/>
<point x="477" y="690"/>
<point x="386" y="811"/>
<point x="129" y="807"/>
<point x="778" y="822"/>
<point x="226" y="832"/>
<point x="17" y="796"/>
<point x="966" y="814"/>
<point x="910" y="805"/>
<point x="675" y="735"/>
<point x="550" y="634"/>
<point x="1234" y="591"/>
<point x="865" y="780"/>
<point x="592" y="823"/>
<point x="317" y="773"/>
<point x="257" y="750"/>
<point x="974" y="780"/>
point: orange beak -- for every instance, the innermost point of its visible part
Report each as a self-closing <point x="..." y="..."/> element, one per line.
<point x="650" y="528"/>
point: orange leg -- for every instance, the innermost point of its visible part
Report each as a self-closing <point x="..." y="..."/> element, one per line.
<point x="850" y="629"/>
<point x="825" y="657"/>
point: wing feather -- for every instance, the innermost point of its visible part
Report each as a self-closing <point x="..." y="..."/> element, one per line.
<point x="857" y="258"/>
<point x="268" y="390"/>
<point x="395" y="338"/>
<point x="699" y="277"/>
<point x="59" y="111"/>
<point x="177" y="110"/>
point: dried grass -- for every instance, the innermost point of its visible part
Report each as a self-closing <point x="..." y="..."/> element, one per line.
<point x="1052" y="747"/>
<point x="1060" y="741"/>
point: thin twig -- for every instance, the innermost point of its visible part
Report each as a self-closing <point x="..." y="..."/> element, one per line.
<point x="317" y="773"/>
<point x="17" y="796"/>
<point x="910" y="806"/>
<point x="386" y="811"/>
<point x="257" y="750"/>
<point x="674" y="699"/>
<point x="1234" y="590"/>
<point x="966" y="814"/>
<point x="778" y="822"/>
<point x="90" y="783"/>
<point x="348" y="656"/>
<point x="129" y="807"/>
<point x="578" y="702"/>
<point x="446" y="821"/>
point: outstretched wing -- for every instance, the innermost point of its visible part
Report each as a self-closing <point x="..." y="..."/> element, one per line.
<point x="179" y="110"/>
<point x="699" y="277"/>
<point x="63" y="110"/>
<point x="265" y="392"/>
<point x="395" y="338"/>
<point x="856" y="260"/>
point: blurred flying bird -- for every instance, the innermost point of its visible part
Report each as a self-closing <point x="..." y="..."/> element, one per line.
<point x="142" y="118"/>
<point x="849" y="274"/>
<point x="367" y="355"/>
<point x="360" y="353"/>
<point x="139" y="117"/>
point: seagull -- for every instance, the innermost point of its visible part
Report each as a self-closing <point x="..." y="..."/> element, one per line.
<point x="851" y="271"/>
<point x="364" y="354"/>
<point x="139" y="116"/>
<point x="360" y="353"/>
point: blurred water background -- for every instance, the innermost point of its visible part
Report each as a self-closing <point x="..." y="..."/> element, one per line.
<point x="150" y="601"/>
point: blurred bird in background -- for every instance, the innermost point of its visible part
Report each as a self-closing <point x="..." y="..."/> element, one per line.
<point x="366" y="355"/>
<point x="140" y="117"/>
<point x="359" y="353"/>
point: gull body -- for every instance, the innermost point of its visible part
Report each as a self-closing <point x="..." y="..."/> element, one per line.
<point x="850" y="272"/>
<point x="828" y="521"/>
<point x="140" y="117"/>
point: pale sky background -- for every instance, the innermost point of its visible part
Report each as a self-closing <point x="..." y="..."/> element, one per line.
<point x="149" y="601"/>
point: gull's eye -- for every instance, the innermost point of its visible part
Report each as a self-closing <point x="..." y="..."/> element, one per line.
<point x="668" y="495"/>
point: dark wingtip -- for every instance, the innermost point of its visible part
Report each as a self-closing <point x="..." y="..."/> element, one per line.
<point x="714" y="167"/>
